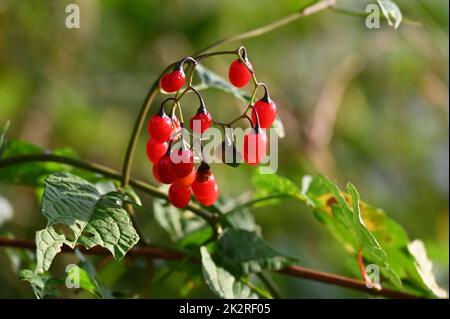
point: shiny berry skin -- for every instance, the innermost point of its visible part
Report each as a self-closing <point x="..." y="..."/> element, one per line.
<point x="165" y="170"/>
<point x="255" y="147"/>
<point x="173" y="81"/>
<point x="182" y="162"/>
<point x="187" y="180"/>
<point x="204" y="189"/>
<point x="155" y="173"/>
<point x="179" y="196"/>
<point x="200" y="122"/>
<point x="238" y="73"/>
<point x="267" y="112"/>
<point x="160" y="127"/>
<point x="211" y="198"/>
<point x="156" y="150"/>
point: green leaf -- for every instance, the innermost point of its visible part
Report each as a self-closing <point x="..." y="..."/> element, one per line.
<point x="354" y="223"/>
<point x="243" y="252"/>
<point x="221" y="282"/>
<point x="271" y="188"/>
<point x="84" y="274"/>
<point x="42" y="284"/>
<point x="88" y="218"/>
<point x="209" y="79"/>
<point x="34" y="173"/>
<point x="392" y="12"/>
<point x="176" y="222"/>
<point x="241" y="218"/>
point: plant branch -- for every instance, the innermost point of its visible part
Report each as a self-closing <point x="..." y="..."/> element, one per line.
<point x="105" y="171"/>
<point x="168" y="254"/>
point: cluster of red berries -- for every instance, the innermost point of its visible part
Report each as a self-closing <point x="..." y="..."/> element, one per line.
<point x="176" y="167"/>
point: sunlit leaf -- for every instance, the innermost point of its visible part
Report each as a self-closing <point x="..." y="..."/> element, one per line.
<point x="221" y="282"/>
<point x="88" y="217"/>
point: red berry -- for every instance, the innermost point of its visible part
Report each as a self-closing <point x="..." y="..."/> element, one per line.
<point x="255" y="147"/>
<point x="156" y="150"/>
<point x="203" y="189"/>
<point x="200" y="122"/>
<point x="165" y="170"/>
<point x="211" y="198"/>
<point x="183" y="162"/>
<point x="155" y="173"/>
<point x="187" y="180"/>
<point x="173" y="81"/>
<point x="267" y="112"/>
<point x="160" y="127"/>
<point x="179" y="196"/>
<point x="238" y="73"/>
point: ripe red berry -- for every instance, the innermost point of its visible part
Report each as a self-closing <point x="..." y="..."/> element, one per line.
<point x="179" y="196"/>
<point x="211" y="198"/>
<point x="187" y="180"/>
<point x="201" y="121"/>
<point x="182" y="162"/>
<point x="267" y="112"/>
<point x="173" y="81"/>
<point x="156" y="150"/>
<point x="203" y="186"/>
<point x="165" y="170"/>
<point x="255" y="146"/>
<point x="155" y="173"/>
<point x="160" y="127"/>
<point x="238" y="73"/>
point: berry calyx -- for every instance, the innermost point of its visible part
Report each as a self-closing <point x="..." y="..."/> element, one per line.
<point x="201" y="121"/>
<point x="266" y="110"/>
<point x="211" y="198"/>
<point x="255" y="146"/>
<point x="156" y="150"/>
<point x="187" y="180"/>
<point x="160" y="127"/>
<point x="173" y="81"/>
<point x="238" y="74"/>
<point x="179" y="196"/>
<point x="203" y="186"/>
<point x="182" y="162"/>
<point x="165" y="170"/>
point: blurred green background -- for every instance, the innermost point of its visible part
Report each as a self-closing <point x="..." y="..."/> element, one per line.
<point x="368" y="106"/>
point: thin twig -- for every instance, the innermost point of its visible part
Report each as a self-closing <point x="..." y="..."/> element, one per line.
<point x="168" y="254"/>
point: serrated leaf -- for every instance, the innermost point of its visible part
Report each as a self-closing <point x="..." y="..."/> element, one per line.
<point x="91" y="218"/>
<point x="42" y="284"/>
<point x="209" y="79"/>
<point x="425" y="268"/>
<point x="221" y="282"/>
<point x="243" y="252"/>
<point x="392" y="12"/>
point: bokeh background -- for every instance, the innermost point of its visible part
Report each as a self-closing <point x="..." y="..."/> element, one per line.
<point x="360" y="105"/>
